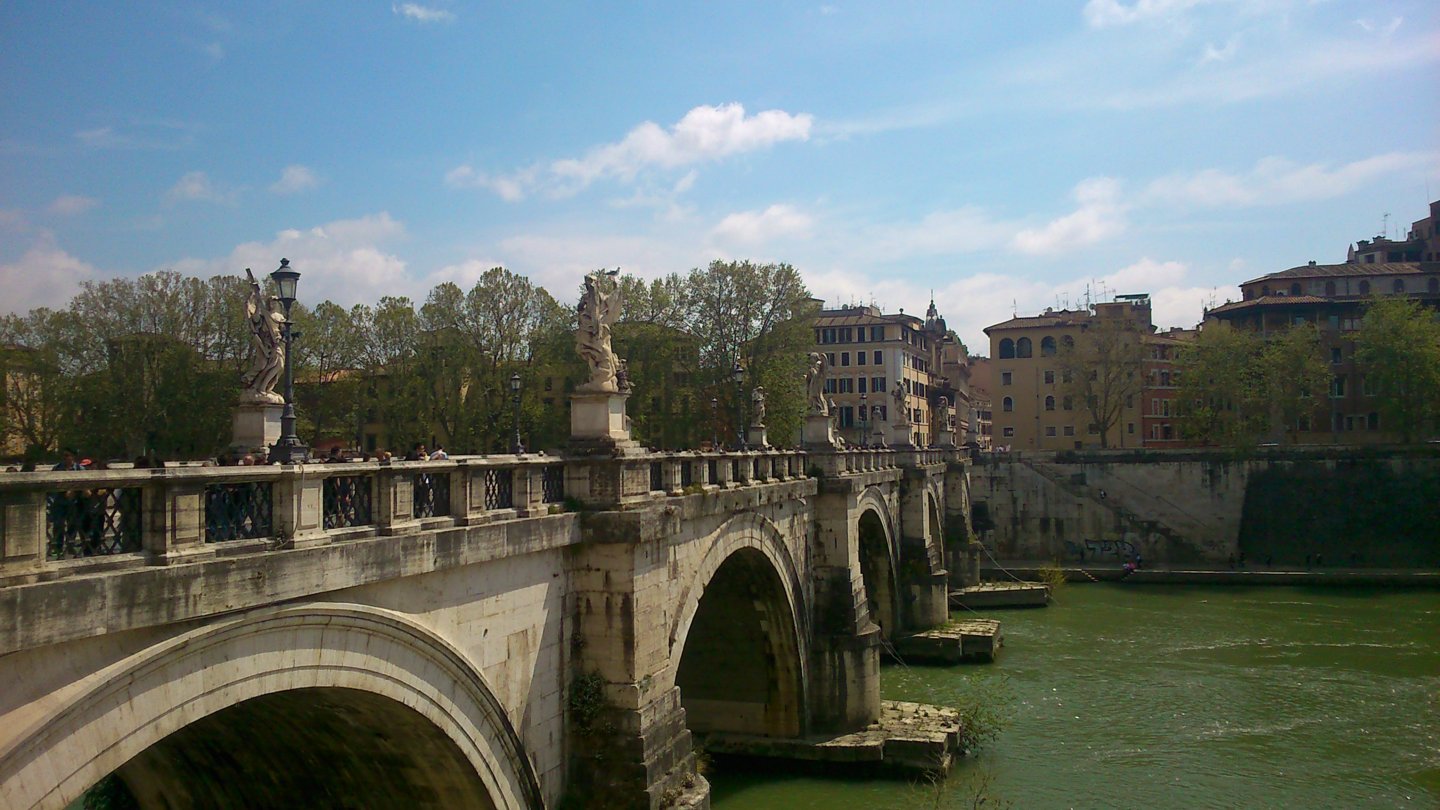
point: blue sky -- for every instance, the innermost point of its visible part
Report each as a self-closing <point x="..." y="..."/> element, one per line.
<point x="1005" y="156"/>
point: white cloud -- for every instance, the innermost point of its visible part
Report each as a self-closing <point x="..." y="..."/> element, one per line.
<point x="1383" y="30"/>
<point x="704" y="134"/>
<point x="1223" y="54"/>
<point x="1100" y="215"/>
<point x="1276" y="180"/>
<point x="422" y="14"/>
<point x="755" y="227"/>
<point x="1105" y="13"/>
<point x="295" y="179"/>
<point x="198" y="186"/>
<point x="71" y="204"/>
<point x="341" y="260"/>
<point x="45" y="276"/>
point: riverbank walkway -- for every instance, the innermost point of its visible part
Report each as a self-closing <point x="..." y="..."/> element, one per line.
<point x="1219" y="575"/>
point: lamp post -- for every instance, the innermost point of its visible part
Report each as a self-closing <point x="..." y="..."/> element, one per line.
<point x="737" y="373"/>
<point x="287" y="449"/>
<point x="864" y="422"/>
<point x="518" y="447"/>
<point x="715" y="423"/>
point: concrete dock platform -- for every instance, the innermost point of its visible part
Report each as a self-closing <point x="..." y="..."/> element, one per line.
<point x="989" y="595"/>
<point x="966" y="641"/>
<point x="908" y="739"/>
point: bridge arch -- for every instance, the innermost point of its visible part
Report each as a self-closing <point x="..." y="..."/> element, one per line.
<point x="878" y="549"/>
<point x="399" y="695"/>
<point x="746" y="609"/>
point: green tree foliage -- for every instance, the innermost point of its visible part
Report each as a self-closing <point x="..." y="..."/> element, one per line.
<point x="1101" y="370"/>
<point x="700" y="324"/>
<point x="1237" y="387"/>
<point x="1398" y="346"/>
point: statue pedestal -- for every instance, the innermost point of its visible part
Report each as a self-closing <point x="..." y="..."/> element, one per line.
<point x="945" y="438"/>
<point x="756" y="438"/>
<point x="900" y="435"/>
<point x="819" y="431"/>
<point x="255" y="426"/>
<point x="598" y="423"/>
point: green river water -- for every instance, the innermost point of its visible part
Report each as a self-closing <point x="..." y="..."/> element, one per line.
<point x="1179" y="697"/>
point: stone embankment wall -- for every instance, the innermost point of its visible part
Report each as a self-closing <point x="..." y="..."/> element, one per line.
<point x="1348" y="507"/>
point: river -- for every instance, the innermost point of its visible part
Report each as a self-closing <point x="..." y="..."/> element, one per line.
<point x="1178" y="697"/>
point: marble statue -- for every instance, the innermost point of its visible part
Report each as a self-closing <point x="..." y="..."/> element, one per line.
<point x="266" y="319"/>
<point x="900" y="414"/>
<point x="757" y="406"/>
<point x="815" y="384"/>
<point x="598" y="310"/>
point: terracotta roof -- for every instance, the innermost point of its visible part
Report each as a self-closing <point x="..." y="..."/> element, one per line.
<point x="1349" y="269"/>
<point x="1061" y="318"/>
<point x="1269" y="301"/>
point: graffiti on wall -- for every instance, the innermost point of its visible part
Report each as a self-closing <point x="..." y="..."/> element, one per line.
<point x="1099" y="550"/>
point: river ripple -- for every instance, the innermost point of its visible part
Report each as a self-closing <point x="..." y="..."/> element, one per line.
<point x="1179" y="697"/>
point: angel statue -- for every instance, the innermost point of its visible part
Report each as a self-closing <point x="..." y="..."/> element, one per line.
<point x="815" y="384"/>
<point x="265" y="319"/>
<point x="901" y="412"/>
<point x="598" y="309"/>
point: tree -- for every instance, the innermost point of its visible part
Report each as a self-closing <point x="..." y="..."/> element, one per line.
<point x="1293" y="372"/>
<point x="1398" y="346"/>
<point x="1102" y="370"/>
<point x="1221" y="389"/>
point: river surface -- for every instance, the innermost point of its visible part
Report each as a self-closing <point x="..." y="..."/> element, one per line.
<point x="1178" y="697"/>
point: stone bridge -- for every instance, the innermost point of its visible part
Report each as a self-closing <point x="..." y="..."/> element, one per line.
<point x="483" y="632"/>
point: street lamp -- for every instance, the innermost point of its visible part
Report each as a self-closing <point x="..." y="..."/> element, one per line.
<point x="864" y="422"/>
<point x="715" y="423"/>
<point x="737" y="373"/>
<point x="287" y="449"/>
<point x="518" y="448"/>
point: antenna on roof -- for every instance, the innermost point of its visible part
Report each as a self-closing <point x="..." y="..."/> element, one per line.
<point x="1014" y="310"/>
<point x="1385" y="225"/>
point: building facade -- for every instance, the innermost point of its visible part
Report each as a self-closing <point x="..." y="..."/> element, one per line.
<point x="1034" y="405"/>
<point x="869" y="351"/>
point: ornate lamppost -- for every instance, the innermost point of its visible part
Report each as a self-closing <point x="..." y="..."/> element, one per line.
<point x="715" y="423"/>
<point x="737" y="373"/>
<point x="288" y="449"/>
<point x="518" y="447"/>
<point x="864" y="422"/>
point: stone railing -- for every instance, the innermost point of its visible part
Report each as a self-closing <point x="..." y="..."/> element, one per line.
<point x="640" y="478"/>
<point x="55" y="523"/>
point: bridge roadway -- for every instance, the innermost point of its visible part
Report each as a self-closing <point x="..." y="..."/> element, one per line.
<point x="497" y="632"/>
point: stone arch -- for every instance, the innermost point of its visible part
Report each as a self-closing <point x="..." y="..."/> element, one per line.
<point x="878" y="548"/>
<point x="383" y="673"/>
<point x="742" y="680"/>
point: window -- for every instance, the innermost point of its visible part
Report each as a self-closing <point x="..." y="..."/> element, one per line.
<point x="1372" y="421"/>
<point x="1068" y="342"/>
<point x="1068" y="403"/>
<point x="1050" y="430"/>
<point x="847" y="416"/>
<point x="1008" y="432"/>
<point x="844" y="358"/>
<point x="1130" y="428"/>
<point x="1330" y="289"/>
<point x="1065" y="376"/>
<point x="1069" y="430"/>
<point x="1364" y="287"/>
<point x="877" y="385"/>
<point x="877" y="333"/>
<point x="860" y="358"/>
<point x="1022" y="347"/>
<point x="1049" y="378"/>
<point x="1007" y="377"/>
<point x="1007" y="405"/>
<point x="863" y="382"/>
<point x="847" y="386"/>
<point x="830" y="386"/>
<point x="1155" y="407"/>
<point x="1047" y="346"/>
<point x="1093" y="429"/>
<point x="1164" y="407"/>
<point x="830" y="358"/>
<point x="1007" y="349"/>
<point x="1398" y="285"/>
<point x="1265" y="290"/>
<point x="1368" y="388"/>
<point x="879" y="357"/>
<point x="860" y="335"/>
<point x="1337" y="387"/>
<point x="1295" y="288"/>
<point x="1334" y="354"/>
<point x="1049" y="403"/>
<point x="1164" y="378"/>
